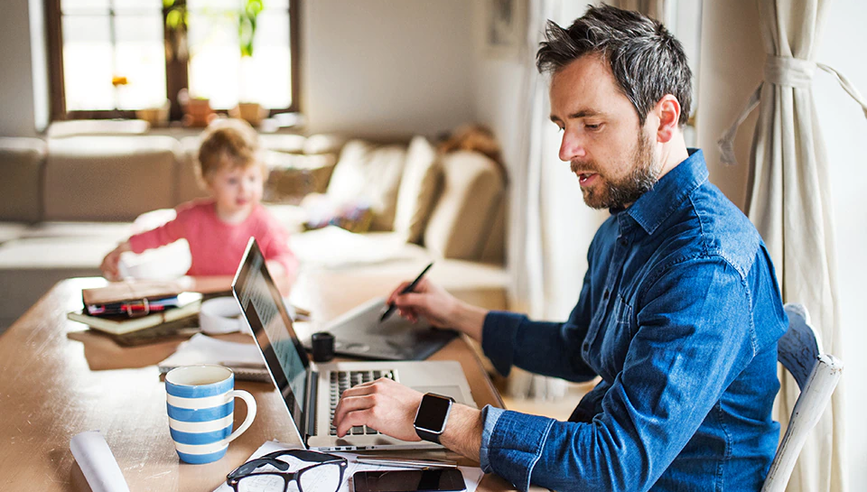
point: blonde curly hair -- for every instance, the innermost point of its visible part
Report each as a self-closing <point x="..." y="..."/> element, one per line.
<point x="228" y="143"/>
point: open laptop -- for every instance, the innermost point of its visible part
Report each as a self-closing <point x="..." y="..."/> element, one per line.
<point x="310" y="391"/>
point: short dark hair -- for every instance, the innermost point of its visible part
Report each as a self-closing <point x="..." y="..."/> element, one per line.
<point x="647" y="61"/>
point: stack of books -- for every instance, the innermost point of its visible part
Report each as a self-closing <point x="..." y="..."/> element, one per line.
<point x="135" y="312"/>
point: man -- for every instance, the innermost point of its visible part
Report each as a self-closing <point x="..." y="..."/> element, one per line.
<point x="679" y="312"/>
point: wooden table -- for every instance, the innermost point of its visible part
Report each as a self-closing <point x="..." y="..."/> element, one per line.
<point x="57" y="379"/>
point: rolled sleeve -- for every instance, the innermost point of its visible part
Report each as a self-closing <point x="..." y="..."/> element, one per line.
<point x="490" y="416"/>
<point x="514" y="444"/>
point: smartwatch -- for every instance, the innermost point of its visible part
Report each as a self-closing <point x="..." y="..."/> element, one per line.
<point x="432" y="415"/>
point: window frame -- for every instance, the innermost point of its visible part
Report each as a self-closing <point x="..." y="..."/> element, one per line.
<point x="177" y="74"/>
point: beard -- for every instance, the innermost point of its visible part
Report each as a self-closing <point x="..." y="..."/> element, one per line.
<point x="618" y="193"/>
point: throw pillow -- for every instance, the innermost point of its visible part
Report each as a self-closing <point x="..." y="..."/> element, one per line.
<point x="369" y="174"/>
<point x="418" y="190"/>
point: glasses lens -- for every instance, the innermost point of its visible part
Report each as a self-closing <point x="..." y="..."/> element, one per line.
<point x="261" y="483"/>
<point x="321" y="478"/>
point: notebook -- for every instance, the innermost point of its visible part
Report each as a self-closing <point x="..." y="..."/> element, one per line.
<point x="310" y="391"/>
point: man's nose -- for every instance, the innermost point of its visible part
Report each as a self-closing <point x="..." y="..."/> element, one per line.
<point x="571" y="147"/>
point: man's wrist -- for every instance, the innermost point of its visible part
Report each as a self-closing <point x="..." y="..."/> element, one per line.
<point x="469" y="319"/>
<point x="463" y="432"/>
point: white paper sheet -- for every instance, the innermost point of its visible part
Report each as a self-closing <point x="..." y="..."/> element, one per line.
<point x="472" y="475"/>
<point x="97" y="462"/>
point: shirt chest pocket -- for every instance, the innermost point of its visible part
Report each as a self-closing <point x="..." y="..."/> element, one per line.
<point x="614" y="338"/>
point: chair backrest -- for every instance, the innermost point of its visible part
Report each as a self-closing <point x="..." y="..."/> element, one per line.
<point x="817" y="374"/>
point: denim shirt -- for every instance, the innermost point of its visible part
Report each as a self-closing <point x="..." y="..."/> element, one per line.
<point x="679" y="314"/>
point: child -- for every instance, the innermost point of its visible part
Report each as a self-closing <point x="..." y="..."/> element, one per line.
<point x="218" y="228"/>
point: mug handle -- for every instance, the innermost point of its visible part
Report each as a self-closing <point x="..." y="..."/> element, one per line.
<point x="251" y="412"/>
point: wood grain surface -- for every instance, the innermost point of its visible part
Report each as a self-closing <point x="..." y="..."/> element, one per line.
<point x="58" y="379"/>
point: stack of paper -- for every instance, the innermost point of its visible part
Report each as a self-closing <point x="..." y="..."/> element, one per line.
<point x="472" y="475"/>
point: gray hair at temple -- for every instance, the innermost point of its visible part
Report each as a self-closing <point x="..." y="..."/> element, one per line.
<point x="647" y="61"/>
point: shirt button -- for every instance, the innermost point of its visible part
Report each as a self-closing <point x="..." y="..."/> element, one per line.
<point x="586" y="346"/>
<point x="624" y="241"/>
<point x="606" y="294"/>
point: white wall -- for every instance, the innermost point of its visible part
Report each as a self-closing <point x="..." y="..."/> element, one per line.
<point x="387" y="67"/>
<point x="16" y="75"/>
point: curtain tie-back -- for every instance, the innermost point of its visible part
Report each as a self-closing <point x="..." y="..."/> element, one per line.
<point x="784" y="72"/>
<point x="790" y="72"/>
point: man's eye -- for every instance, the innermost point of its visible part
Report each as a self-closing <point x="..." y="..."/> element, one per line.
<point x="593" y="127"/>
<point x="233" y="181"/>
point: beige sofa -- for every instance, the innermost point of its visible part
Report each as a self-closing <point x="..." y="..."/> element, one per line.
<point x="67" y="201"/>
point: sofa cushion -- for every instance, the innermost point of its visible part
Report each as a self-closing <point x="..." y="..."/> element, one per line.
<point x="333" y="247"/>
<point x="11" y="230"/>
<point x="22" y="162"/>
<point x="465" y="215"/>
<point x="418" y="190"/>
<point x="367" y="174"/>
<point x="108" y="178"/>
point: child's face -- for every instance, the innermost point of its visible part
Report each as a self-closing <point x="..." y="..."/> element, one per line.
<point x="236" y="190"/>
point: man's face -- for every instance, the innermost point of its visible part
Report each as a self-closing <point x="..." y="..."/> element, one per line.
<point x="613" y="157"/>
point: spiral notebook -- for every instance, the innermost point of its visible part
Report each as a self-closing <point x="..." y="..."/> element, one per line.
<point x="244" y="359"/>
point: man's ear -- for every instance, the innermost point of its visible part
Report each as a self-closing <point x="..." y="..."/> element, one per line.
<point x="668" y="112"/>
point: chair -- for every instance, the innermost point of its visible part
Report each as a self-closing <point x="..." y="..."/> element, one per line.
<point x="817" y="374"/>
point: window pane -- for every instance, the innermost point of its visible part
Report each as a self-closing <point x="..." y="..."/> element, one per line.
<point x="214" y="56"/>
<point x="138" y="7"/>
<point x="83" y="6"/>
<point x="141" y="59"/>
<point x="87" y="63"/>
<point x="95" y="55"/>
<point x="271" y="72"/>
<point x="218" y="72"/>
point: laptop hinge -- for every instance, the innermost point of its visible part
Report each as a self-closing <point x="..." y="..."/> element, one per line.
<point x="312" y="406"/>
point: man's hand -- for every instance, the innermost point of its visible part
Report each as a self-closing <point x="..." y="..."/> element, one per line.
<point x="428" y="300"/>
<point x="384" y="405"/>
<point x="442" y="309"/>
<point x="109" y="266"/>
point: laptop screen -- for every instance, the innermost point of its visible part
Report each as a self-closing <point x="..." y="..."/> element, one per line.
<point x="266" y="315"/>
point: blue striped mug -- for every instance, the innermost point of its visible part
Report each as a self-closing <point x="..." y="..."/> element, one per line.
<point x="201" y="403"/>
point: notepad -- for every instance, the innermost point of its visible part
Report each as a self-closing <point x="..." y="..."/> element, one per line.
<point x="244" y="359"/>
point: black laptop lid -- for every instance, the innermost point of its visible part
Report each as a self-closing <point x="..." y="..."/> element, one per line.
<point x="266" y="315"/>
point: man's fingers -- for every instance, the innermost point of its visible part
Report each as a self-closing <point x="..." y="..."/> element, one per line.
<point x="352" y="419"/>
<point x="396" y="292"/>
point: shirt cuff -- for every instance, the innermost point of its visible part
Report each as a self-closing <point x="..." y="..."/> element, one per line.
<point x="515" y="446"/>
<point x="490" y="415"/>
<point x="499" y="332"/>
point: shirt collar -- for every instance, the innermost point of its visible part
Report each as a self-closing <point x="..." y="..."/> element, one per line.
<point x="656" y="205"/>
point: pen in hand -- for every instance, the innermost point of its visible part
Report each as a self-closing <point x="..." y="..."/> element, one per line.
<point x="406" y="290"/>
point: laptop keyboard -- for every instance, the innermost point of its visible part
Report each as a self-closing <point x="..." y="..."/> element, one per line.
<point x="342" y="381"/>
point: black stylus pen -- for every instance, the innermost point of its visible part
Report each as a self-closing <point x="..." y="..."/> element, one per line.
<point x="406" y="290"/>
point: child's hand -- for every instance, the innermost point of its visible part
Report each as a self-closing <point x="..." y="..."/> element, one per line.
<point x="110" y="262"/>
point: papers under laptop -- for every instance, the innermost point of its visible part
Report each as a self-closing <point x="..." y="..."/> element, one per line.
<point x="310" y="391"/>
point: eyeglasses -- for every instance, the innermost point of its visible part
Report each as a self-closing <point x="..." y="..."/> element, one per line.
<point x="270" y="472"/>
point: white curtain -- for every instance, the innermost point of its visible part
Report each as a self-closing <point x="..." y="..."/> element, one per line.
<point x="551" y="228"/>
<point x="789" y="202"/>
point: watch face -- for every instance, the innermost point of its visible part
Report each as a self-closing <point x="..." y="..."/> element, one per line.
<point x="432" y="413"/>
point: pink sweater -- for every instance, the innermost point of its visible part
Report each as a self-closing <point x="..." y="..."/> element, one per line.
<point x="215" y="246"/>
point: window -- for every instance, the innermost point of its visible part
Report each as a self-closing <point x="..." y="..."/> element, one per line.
<point x="109" y="58"/>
